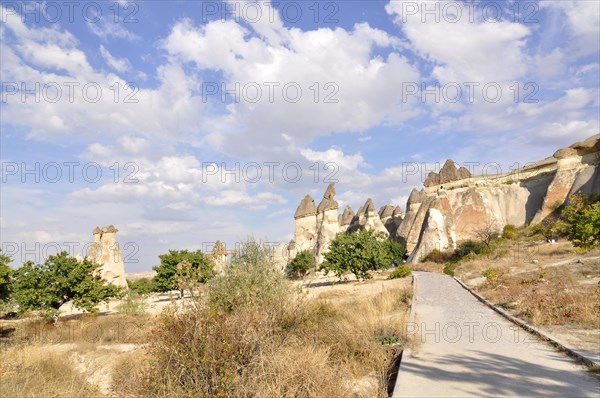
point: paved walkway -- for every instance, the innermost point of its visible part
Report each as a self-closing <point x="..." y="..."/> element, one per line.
<point x="465" y="349"/>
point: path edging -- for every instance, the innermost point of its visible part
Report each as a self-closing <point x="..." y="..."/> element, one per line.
<point x="561" y="345"/>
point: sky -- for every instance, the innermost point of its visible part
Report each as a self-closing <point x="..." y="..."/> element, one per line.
<point x="183" y="123"/>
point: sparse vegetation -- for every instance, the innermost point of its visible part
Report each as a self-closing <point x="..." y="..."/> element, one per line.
<point x="401" y="271"/>
<point x="257" y="337"/>
<point x="510" y="232"/>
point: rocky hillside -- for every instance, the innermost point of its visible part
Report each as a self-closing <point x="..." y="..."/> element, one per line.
<point x="455" y="206"/>
<point x="451" y="208"/>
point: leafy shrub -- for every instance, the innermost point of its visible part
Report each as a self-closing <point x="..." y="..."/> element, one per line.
<point x="141" y="286"/>
<point x="167" y="275"/>
<point x="449" y="268"/>
<point x="469" y="247"/>
<point x="251" y="278"/>
<point x="133" y="304"/>
<point x="301" y="264"/>
<point x="491" y="275"/>
<point x="395" y="250"/>
<point x="583" y="214"/>
<point x="510" y="232"/>
<point x="400" y="272"/>
<point x="59" y="279"/>
<point x="438" y="256"/>
<point x="5" y="277"/>
<point x="358" y="252"/>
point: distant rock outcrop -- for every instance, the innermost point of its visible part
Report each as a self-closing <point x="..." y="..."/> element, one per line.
<point x="438" y="218"/>
<point x="105" y="251"/>
<point x="317" y="226"/>
<point x="448" y="173"/>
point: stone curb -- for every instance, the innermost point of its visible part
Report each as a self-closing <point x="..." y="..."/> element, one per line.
<point x="557" y="343"/>
<point x="411" y="319"/>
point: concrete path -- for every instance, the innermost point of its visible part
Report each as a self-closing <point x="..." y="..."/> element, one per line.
<point x="465" y="349"/>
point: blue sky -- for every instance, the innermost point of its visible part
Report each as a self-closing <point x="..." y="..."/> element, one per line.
<point x="130" y="125"/>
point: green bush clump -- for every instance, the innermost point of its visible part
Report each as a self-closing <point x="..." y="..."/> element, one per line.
<point x="401" y="271"/>
<point x="396" y="250"/>
<point x="168" y="275"/>
<point x="142" y="286"/>
<point x="250" y="279"/>
<point x="510" y="232"/>
<point x="438" y="256"/>
<point x="470" y="248"/>
<point x="491" y="275"/>
<point x="583" y="215"/>
<point x="301" y="264"/>
<point x="358" y="252"/>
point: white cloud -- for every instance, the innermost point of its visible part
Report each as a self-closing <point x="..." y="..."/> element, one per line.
<point x="583" y="21"/>
<point x="118" y="64"/>
<point x="464" y="50"/>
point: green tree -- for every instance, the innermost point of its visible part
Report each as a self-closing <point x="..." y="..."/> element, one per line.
<point x="5" y="277"/>
<point x="141" y="286"/>
<point x="301" y="264"/>
<point x="167" y="276"/>
<point x="583" y="215"/>
<point x="359" y="253"/>
<point x="396" y="250"/>
<point x="59" y="279"/>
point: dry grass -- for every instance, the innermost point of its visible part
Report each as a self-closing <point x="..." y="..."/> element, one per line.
<point x="549" y="296"/>
<point x="37" y="371"/>
<point x="305" y="348"/>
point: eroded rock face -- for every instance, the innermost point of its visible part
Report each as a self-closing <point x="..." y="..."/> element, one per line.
<point x="346" y="218"/>
<point x="439" y="218"/>
<point x="105" y="250"/>
<point x="368" y="219"/>
<point x="305" y="234"/>
<point x="327" y="222"/>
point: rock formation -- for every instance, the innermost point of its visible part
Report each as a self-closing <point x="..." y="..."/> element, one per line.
<point x="439" y="218"/>
<point x="367" y="219"/>
<point x="218" y="256"/>
<point x="317" y="226"/>
<point x="346" y="218"/>
<point x="327" y="222"/>
<point x="105" y="251"/>
<point x="391" y="217"/>
<point x="305" y="235"/>
<point x="448" y="173"/>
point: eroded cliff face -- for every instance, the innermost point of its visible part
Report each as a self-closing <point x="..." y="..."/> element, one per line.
<point x="442" y="214"/>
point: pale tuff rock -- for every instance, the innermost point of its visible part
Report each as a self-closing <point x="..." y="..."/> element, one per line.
<point x="438" y="218"/>
<point x="368" y="219"/>
<point x="328" y="202"/>
<point x="398" y="212"/>
<point x="306" y="208"/>
<point x="218" y="256"/>
<point x="438" y="230"/>
<point x="391" y="217"/>
<point x="105" y="251"/>
<point x="327" y="222"/>
<point x="386" y="212"/>
<point x="346" y="218"/>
